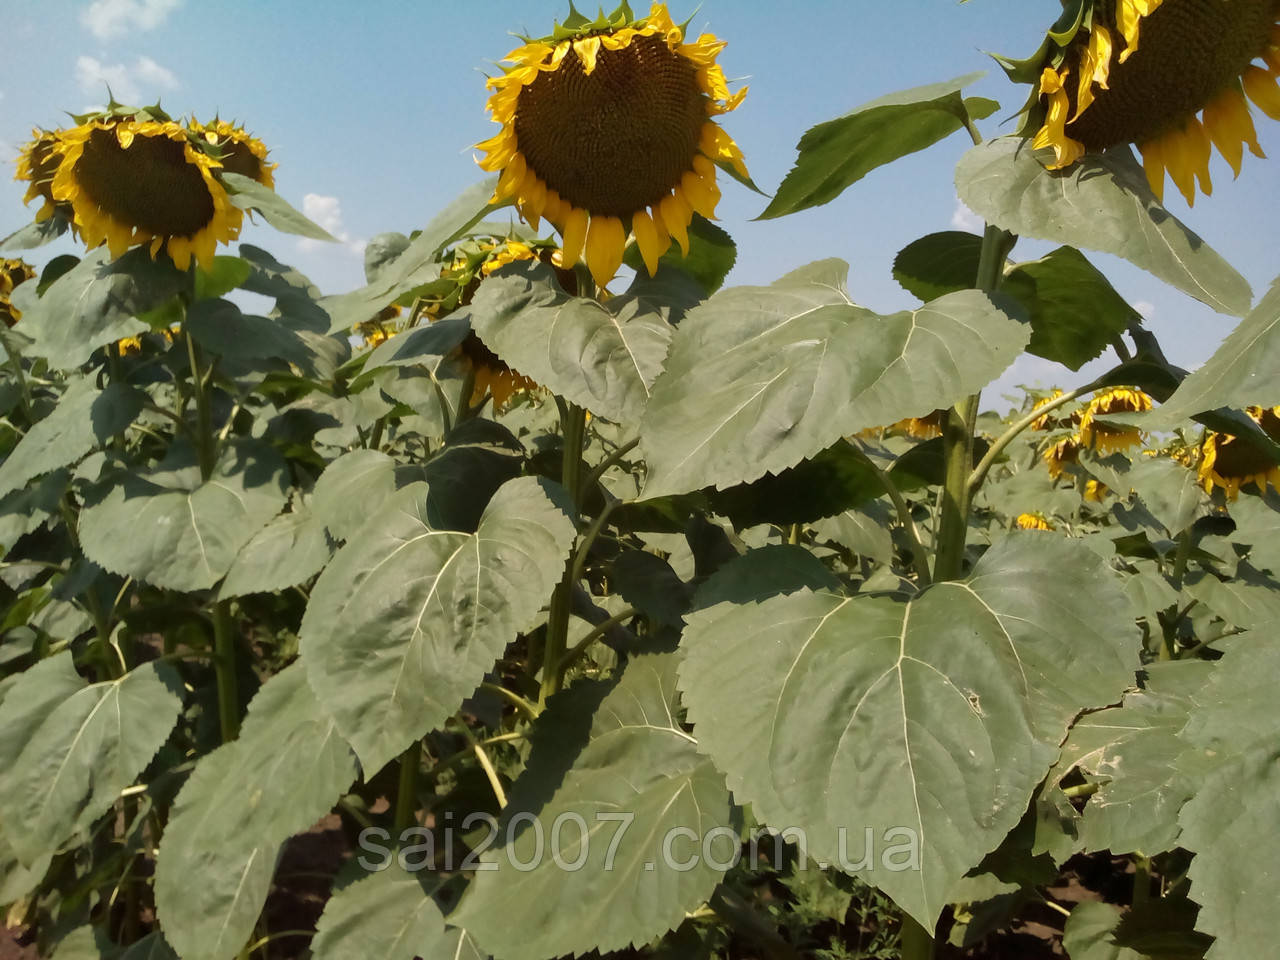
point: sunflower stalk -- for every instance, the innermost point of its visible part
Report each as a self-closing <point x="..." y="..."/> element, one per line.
<point x="407" y="787"/>
<point x="573" y="424"/>
<point x="958" y="431"/>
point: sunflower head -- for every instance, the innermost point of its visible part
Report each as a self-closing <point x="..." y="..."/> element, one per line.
<point x="608" y="132"/>
<point x="14" y="272"/>
<point x="131" y="179"/>
<point x="1095" y="491"/>
<point x="1033" y="521"/>
<point x="235" y="149"/>
<point x="1106" y="438"/>
<point x="1229" y="463"/>
<point x="1174" y="77"/>
<point x="37" y="163"/>
<point x="1054" y="419"/>
<point x="1066" y="451"/>
<point x="922" y="428"/>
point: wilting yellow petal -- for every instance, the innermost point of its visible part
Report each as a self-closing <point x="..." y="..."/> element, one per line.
<point x="1261" y="87"/>
<point x="587" y="50"/>
<point x="1066" y="150"/>
<point x="1153" y="165"/>
<point x="676" y="215"/>
<point x="606" y="241"/>
<point x="511" y="179"/>
<point x="574" y="235"/>
<point x="647" y="240"/>
<point x="1095" y="67"/>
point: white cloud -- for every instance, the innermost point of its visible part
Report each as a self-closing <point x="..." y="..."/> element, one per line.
<point x="144" y="80"/>
<point x="327" y="212"/>
<point x="965" y="219"/>
<point x="1145" y="307"/>
<point x="107" y="19"/>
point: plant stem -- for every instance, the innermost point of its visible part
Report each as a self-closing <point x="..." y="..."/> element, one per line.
<point x="598" y="631"/>
<point x="953" y="525"/>
<point x="603" y="466"/>
<point x="917" y="944"/>
<point x="224" y="668"/>
<point x="919" y="559"/>
<point x="530" y="710"/>
<point x="204" y="425"/>
<point x="407" y="788"/>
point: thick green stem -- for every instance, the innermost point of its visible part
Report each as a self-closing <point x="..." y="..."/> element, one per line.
<point x="919" y="559"/>
<point x="917" y="944"/>
<point x="407" y="788"/>
<point x="204" y="423"/>
<point x="573" y="424"/>
<point x="224" y="668"/>
<point x="958" y="430"/>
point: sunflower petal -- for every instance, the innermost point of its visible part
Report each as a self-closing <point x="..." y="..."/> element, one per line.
<point x="1261" y="88"/>
<point x="647" y="240"/>
<point x="606" y="242"/>
<point x="574" y="235"/>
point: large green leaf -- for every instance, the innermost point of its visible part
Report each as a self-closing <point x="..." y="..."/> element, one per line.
<point x="906" y="738"/>
<point x="165" y="527"/>
<point x="1231" y="826"/>
<point x="1075" y="312"/>
<point x="289" y="550"/>
<point x="84" y="417"/>
<point x="1147" y="772"/>
<point x="938" y="264"/>
<point x="97" y="302"/>
<point x="1243" y="372"/>
<point x="1101" y="203"/>
<point x="759" y="378"/>
<point x="219" y="326"/>
<point x="712" y="254"/>
<point x="218" y="854"/>
<point x="406" y="620"/>
<point x="836" y="154"/>
<point x="1089" y="934"/>
<point x="602" y="356"/>
<point x="35" y="234"/>
<point x="247" y="194"/>
<point x="589" y="850"/>
<point x="352" y="489"/>
<point x="392" y="914"/>
<point x="1249" y="600"/>
<point x="67" y="747"/>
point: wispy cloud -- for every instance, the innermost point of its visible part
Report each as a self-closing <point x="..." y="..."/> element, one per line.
<point x="965" y="219"/>
<point x="144" y="79"/>
<point x="327" y="212"/>
<point x="107" y="19"/>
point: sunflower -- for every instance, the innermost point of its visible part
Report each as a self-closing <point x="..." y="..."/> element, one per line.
<point x="37" y="163"/>
<point x="134" y="181"/>
<point x="12" y="273"/>
<point x="237" y="151"/>
<point x="1054" y="419"/>
<point x="608" y="131"/>
<point x="1140" y="71"/>
<point x="1095" y="491"/>
<point x="1065" y="451"/>
<point x="1033" y="521"/>
<point x="1229" y="463"/>
<point x="1103" y="437"/>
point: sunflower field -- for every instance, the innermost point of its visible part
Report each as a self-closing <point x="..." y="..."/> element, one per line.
<point x="547" y="596"/>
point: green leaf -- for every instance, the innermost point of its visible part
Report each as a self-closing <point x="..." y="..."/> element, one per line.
<point x="247" y="194"/>
<point x="1075" y="312"/>
<point x="226" y="274"/>
<point x="770" y="571"/>
<point x="426" y="345"/>
<point x="1101" y="203"/>
<point x="602" y="356"/>
<point x="837" y="154"/>
<point x="381" y="252"/>
<point x="712" y="254"/>
<point x="16" y="879"/>
<point x="68" y="748"/>
<point x="289" y="550"/>
<point x="391" y="913"/>
<point x="648" y="583"/>
<point x="85" y="417"/>
<point x="1258" y="525"/>
<point x="415" y="265"/>
<point x="760" y="378"/>
<point x="97" y="302"/>
<point x="1230" y="826"/>
<point x="1243" y="372"/>
<point x="602" y="879"/>
<point x="219" y="326"/>
<point x="151" y="947"/>
<point x="218" y="853"/>
<point x="907" y="739"/>
<point x="865" y="531"/>
<point x="1249" y="600"/>
<point x="1237" y="707"/>
<point x="938" y="264"/>
<point x="1089" y="934"/>
<point x="165" y="527"/>
<point x="406" y="620"/>
<point x="352" y="489"/>
<point x="1147" y="772"/>
<point x="35" y="234"/>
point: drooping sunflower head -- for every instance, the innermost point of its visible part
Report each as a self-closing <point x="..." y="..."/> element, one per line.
<point x="1066" y="451"/>
<point x="12" y="273"/>
<point x="1034" y="521"/>
<point x="608" y="131"/>
<point x="236" y="150"/>
<point x="37" y="163"/>
<point x="1229" y="463"/>
<point x="1108" y="438"/>
<point x="1056" y="418"/>
<point x="922" y="428"/>
<point x="1095" y="491"/>
<point x="1171" y="76"/>
<point x="131" y="179"/>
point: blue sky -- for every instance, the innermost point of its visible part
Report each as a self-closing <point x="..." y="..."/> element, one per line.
<point x="371" y="111"/>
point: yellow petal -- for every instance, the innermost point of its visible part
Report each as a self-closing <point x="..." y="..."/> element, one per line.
<point x="1230" y="126"/>
<point x="677" y="215"/>
<point x="647" y="240"/>
<point x="511" y="179"/>
<point x="1186" y="155"/>
<point x="1094" y="67"/>
<point x="1263" y="91"/>
<point x="1153" y="165"/>
<point x="606" y="241"/>
<point x="587" y="49"/>
<point x="1066" y="150"/>
<point x="574" y="235"/>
